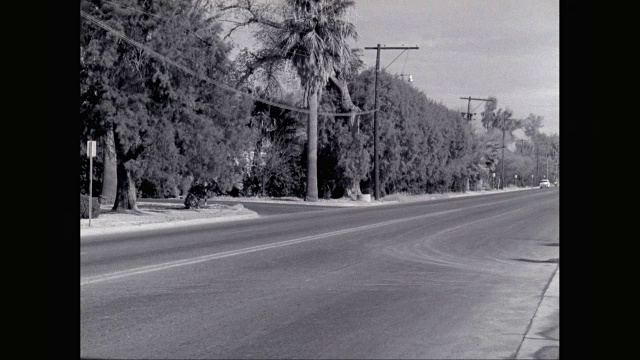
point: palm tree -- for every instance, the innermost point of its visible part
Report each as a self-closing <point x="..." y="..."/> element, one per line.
<point x="314" y="40"/>
<point x="505" y="122"/>
<point x="309" y="35"/>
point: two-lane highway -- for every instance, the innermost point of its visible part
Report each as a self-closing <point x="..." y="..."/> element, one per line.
<point x="453" y="278"/>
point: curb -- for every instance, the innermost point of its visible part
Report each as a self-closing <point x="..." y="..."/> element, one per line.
<point x="365" y="204"/>
<point x="542" y="340"/>
<point x="89" y="232"/>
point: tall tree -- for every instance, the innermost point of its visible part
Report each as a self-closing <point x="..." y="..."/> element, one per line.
<point x="502" y="120"/>
<point x="532" y="125"/>
<point x="311" y="36"/>
<point x="109" y="163"/>
<point x="424" y="145"/>
<point x="488" y="115"/>
<point x="165" y="122"/>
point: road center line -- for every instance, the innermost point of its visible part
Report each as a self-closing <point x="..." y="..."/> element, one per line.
<point x="225" y="254"/>
<point x="199" y="259"/>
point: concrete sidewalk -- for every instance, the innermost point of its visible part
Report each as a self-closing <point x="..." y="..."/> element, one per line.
<point x="542" y="340"/>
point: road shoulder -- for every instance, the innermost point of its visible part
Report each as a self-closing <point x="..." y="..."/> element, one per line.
<point x="161" y="216"/>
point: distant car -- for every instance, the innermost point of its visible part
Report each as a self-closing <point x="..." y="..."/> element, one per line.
<point x="545" y="183"/>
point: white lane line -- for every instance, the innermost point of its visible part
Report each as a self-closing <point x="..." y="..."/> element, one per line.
<point x="82" y="253"/>
<point x="199" y="259"/>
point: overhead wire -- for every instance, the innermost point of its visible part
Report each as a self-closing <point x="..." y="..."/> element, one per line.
<point x="300" y="52"/>
<point x="394" y="60"/>
<point x="405" y="62"/>
<point x="162" y="57"/>
<point x="477" y="106"/>
<point x="154" y="15"/>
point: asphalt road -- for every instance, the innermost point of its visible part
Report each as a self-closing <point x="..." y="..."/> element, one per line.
<point x="458" y="278"/>
<point x="262" y="209"/>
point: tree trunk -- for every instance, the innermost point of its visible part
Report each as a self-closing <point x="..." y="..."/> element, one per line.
<point x="312" y="148"/>
<point x="109" y="174"/>
<point x="126" y="190"/>
<point x="354" y="190"/>
<point x="346" y="103"/>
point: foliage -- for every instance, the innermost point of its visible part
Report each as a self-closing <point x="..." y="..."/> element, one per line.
<point x="198" y="193"/>
<point x="167" y="123"/>
<point x="275" y="167"/>
<point x="177" y="135"/>
<point x="309" y="36"/>
<point x="84" y="175"/>
<point x="424" y="146"/>
<point x="84" y="207"/>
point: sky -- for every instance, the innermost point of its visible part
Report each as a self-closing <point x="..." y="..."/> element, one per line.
<point x="509" y="49"/>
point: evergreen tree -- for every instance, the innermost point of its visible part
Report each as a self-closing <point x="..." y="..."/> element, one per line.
<point x="165" y="122"/>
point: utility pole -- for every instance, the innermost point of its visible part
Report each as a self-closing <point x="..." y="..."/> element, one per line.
<point x="91" y="153"/>
<point x="537" y="148"/>
<point x="546" y="159"/>
<point x="502" y="161"/>
<point x="468" y="114"/>
<point x="547" y="166"/>
<point x="376" y="166"/>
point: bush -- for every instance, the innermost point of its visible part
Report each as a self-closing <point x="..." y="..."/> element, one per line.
<point x="84" y="207"/>
<point x="196" y="194"/>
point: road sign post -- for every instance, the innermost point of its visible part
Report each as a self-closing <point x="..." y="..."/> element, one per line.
<point x="91" y="152"/>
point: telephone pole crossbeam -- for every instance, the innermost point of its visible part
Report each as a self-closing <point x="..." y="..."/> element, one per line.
<point x="468" y="113"/>
<point x="376" y="167"/>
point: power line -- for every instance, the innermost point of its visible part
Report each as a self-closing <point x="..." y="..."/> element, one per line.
<point x="477" y="106"/>
<point x="298" y="51"/>
<point x="394" y="60"/>
<point x="154" y="15"/>
<point x="405" y="62"/>
<point x="376" y="167"/>
<point x="468" y="114"/>
<point x="205" y="78"/>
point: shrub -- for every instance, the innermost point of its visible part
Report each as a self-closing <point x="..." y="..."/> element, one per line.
<point x="196" y="194"/>
<point x="84" y="207"/>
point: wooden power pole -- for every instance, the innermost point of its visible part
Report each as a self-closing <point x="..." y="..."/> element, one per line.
<point x="468" y="114"/>
<point x="376" y="166"/>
